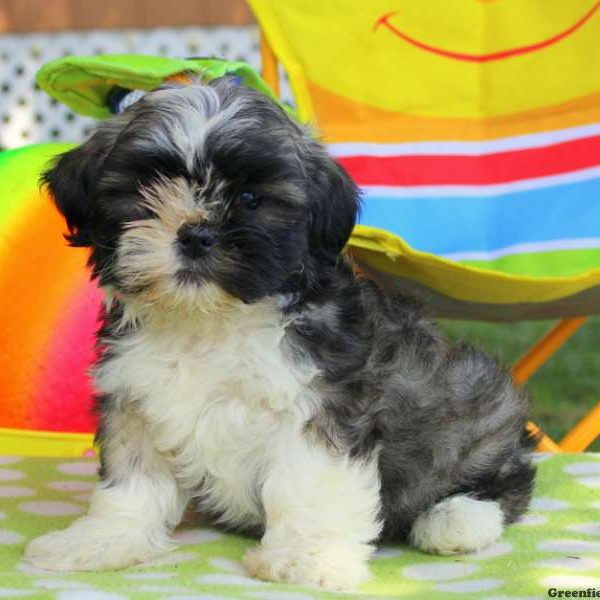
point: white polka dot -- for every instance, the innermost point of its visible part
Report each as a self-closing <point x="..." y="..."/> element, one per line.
<point x="584" y="468"/>
<point x="60" y="584"/>
<point x="539" y="457"/>
<point x="195" y="597"/>
<point x="492" y="551"/>
<point x="31" y="570"/>
<point x="591" y="482"/>
<point x="572" y="582"/>
<point x="151" y="575"/>
<point x="387" y="553"/>
<point x="71" y="486"/>
<point x="49" y="508"/>
<point x="439" y="571"/>
<point x="473" y="585"/>
<point x="173" y="558"/>
<point x="9" y="460"/>
<point x="223" y="579"/>
<point x="230" y="566"/>
<point x="196" y="536"/>
<point x="83" y="498"/>
<point x="586" y="528"/>
<point x="283" y="596"/>
<point x="595" y="504"/>
<point x="576" y="563"/>
<point x="79" y="468"/>
<point x="545" y="504"/>
<point x="2" y="515"/>
<point x="161" y="589"/>
<point x="10" y="537"/>
<point x="10" y="475"/>
<point x="89" y="595"/>
<point x="574" y="546"/>
<point x="503" y="597"/>
<point x="15" y="491"/>
<point x="532" y="519"/>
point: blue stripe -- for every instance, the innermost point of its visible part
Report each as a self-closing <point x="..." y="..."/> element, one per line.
<point x="444" y="225"/>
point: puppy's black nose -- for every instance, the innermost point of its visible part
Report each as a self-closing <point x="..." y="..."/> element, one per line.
<point x="195" y="240"/>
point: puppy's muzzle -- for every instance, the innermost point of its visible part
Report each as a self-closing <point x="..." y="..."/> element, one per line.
<point x="195" y="240"/>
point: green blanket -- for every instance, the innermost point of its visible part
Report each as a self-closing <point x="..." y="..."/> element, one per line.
<point x="557" y="545"/>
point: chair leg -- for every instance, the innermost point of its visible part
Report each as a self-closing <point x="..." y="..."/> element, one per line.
<point x="541" y="351"/>
<point x="534" y="358"/>
<point x="584" y="433"/>
<point x="545" y="442"/>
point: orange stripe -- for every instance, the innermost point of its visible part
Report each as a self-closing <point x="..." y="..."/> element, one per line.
<point x="181" y="78"/>
<point x="36" y="279"/>
<point x="343" y="120"/>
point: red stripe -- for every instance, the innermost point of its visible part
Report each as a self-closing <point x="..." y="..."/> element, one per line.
<point x="499" y="167"/>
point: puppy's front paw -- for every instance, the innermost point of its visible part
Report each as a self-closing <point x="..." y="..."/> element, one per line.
<point x="337" y="567"/>
<point x="92" y="544"/>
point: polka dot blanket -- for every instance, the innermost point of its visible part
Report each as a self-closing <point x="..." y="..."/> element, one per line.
<point x="555" y="546"/>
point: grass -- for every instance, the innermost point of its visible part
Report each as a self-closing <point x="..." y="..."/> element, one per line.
<point x="565" y="388"/>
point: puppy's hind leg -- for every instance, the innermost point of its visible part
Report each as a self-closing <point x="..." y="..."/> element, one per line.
<point x="494" y="476"/>
<point x="133" y="509"/>
<point x="469" y="521"/>
<point x="456" y="525"/>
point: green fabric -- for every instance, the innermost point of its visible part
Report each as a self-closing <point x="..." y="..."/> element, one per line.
<point x="83" y="82"/>
<point x="557" y="263"/>
<point x="20" y="170"/>
<point x="558" y="545"/>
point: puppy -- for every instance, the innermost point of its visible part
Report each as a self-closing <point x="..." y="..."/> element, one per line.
<point x="243" y="366"/>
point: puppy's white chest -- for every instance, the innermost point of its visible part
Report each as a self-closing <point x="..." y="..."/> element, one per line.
<point x="217" y="400"/>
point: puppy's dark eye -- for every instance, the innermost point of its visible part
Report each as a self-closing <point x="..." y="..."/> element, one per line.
<point x="250" y="200"/>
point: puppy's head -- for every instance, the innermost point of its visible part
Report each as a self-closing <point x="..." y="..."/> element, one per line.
<point x="202" y="191"/>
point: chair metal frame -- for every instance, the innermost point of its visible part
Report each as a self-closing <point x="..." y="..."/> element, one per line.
<point x="583" y="434"/>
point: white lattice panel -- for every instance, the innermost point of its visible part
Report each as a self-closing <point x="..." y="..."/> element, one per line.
<point x="28" y="115"/>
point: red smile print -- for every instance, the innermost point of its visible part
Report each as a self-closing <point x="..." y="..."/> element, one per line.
<point x="502" y="54"/>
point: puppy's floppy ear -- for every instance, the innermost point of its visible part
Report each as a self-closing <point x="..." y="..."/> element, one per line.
<point x="334" y="205"/>
<point x="71" y="179"/>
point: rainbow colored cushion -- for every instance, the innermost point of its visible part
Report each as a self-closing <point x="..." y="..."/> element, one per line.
<point x="48" y="310"/>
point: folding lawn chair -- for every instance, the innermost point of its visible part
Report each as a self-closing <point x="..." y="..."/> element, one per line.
<point x="473" y="130"/>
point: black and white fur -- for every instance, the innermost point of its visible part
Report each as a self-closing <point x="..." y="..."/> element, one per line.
<point x="244" y="365"/>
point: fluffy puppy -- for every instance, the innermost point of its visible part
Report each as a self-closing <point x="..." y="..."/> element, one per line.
<point x="245" y="367"/>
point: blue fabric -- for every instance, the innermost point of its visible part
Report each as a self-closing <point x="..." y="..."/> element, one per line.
<point x="450" y="224"/>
